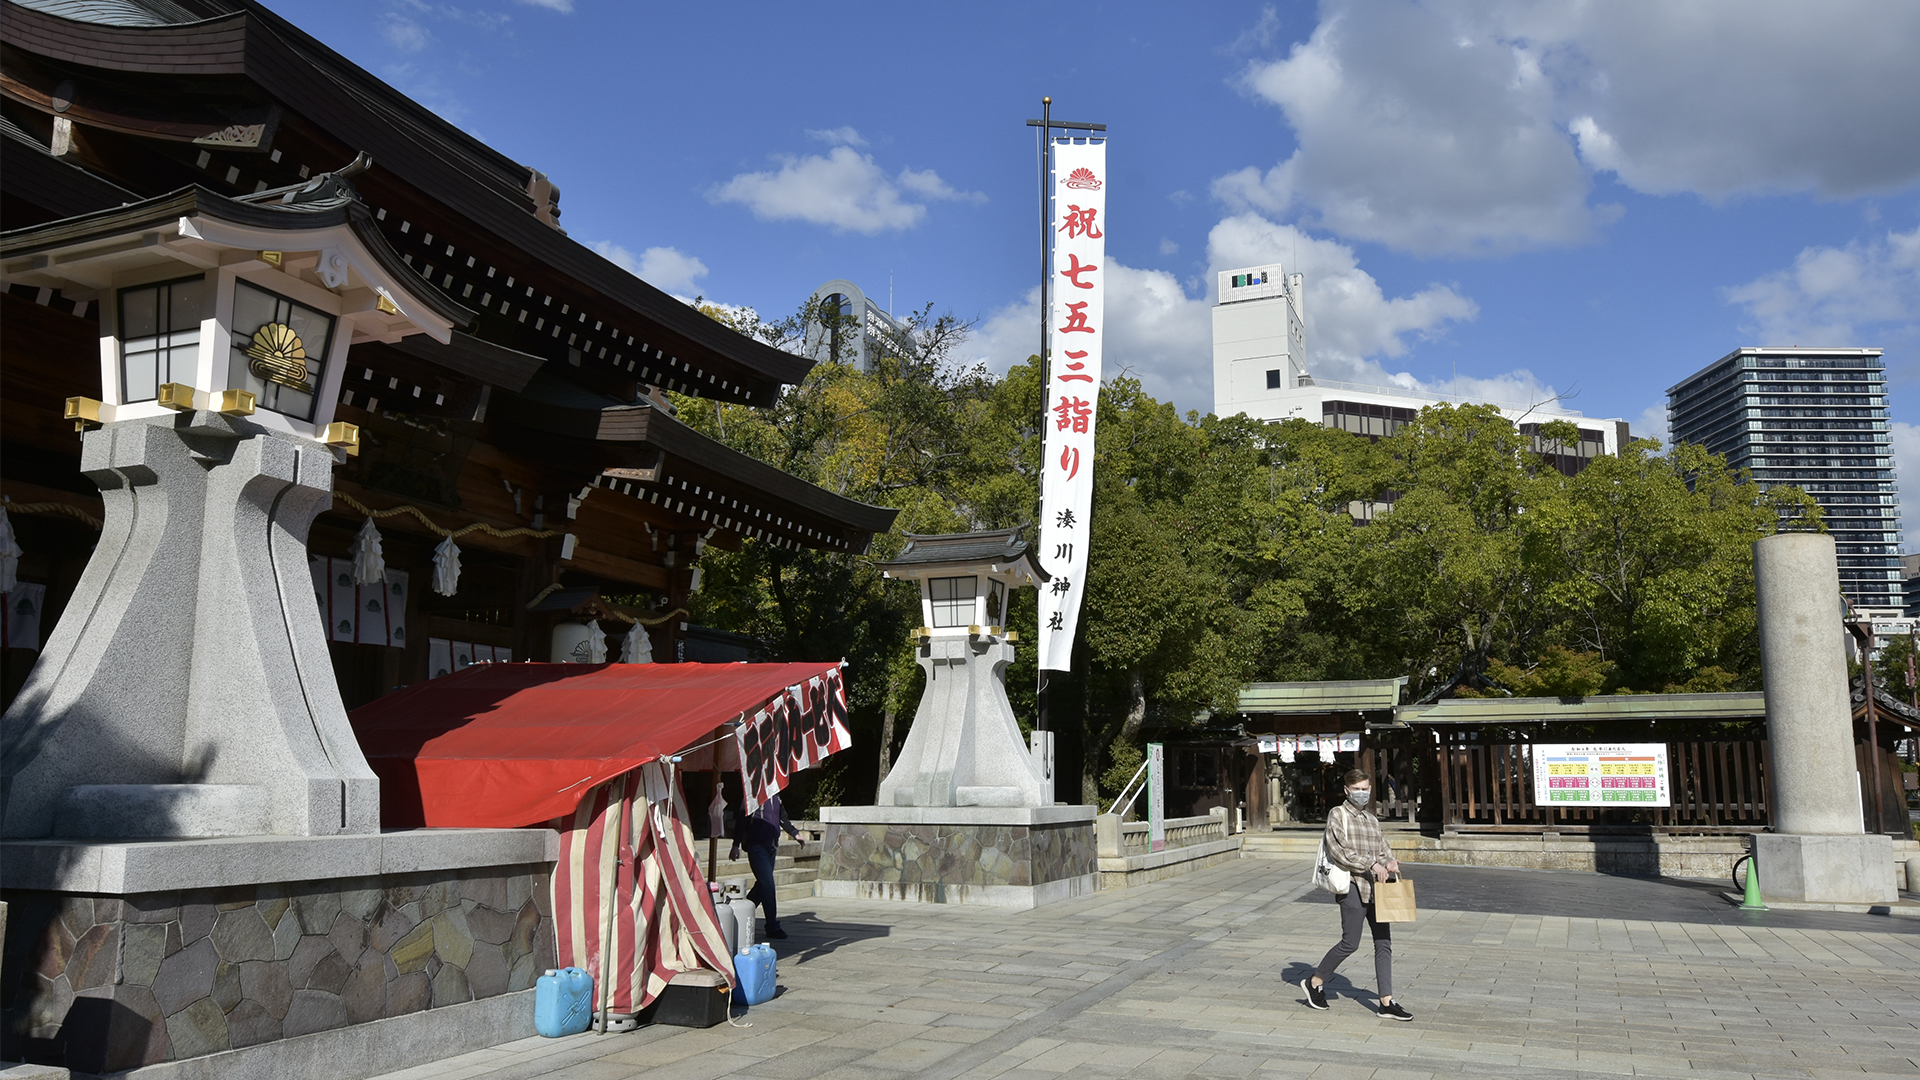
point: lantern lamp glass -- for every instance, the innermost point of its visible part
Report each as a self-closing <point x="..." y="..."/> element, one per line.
<point x="952" y="599"/>
<point x="279" y="350"/>
<point x="160" y="335"/>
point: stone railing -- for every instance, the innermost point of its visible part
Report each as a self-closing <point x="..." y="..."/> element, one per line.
<point x="1191" y="843"/>
<point x="1130" y="837"/>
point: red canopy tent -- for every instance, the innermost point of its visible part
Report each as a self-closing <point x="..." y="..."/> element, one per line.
<point x="587" y="750"/>
<point x="504" y="745"/>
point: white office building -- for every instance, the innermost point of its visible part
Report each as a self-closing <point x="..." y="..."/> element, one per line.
<point x="864" y="330"/>
<point x="1260" y="368"/>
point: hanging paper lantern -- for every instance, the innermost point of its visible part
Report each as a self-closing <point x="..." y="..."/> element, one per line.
<point x="446" y="567"/>
<point x="638" y="647"/>
<point x="369" y="565"/>
<point x="9" y="554"/>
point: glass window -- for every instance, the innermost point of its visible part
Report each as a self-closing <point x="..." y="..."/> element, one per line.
<point x="1273" y="378"/>
<point x="953" y="600"/>
<point x="279" y="349"/>
<point x="159" y="335"/>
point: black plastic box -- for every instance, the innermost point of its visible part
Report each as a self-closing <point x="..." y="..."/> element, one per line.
<point x="693" y="999"/>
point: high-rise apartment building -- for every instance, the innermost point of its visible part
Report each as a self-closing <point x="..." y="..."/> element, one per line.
<point x="1816" y="419"/>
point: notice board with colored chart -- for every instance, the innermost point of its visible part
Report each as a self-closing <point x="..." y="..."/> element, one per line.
<point x="1622" y="775"/>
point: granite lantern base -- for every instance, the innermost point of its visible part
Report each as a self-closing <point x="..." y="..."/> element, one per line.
<point x="1014" y="856"/>
<point x="338" y="956"/>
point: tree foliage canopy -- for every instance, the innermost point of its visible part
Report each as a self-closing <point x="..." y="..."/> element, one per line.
<point x="1226" y="551"/>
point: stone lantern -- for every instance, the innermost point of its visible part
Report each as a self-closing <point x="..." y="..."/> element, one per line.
<point x="965" y="748"/>
<point x="966" y="815"/>
<point x="187" y="690"/>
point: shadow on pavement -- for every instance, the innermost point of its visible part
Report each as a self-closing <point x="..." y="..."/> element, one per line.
<point x="809" y="936"/>
<point x="1580" y="895"/>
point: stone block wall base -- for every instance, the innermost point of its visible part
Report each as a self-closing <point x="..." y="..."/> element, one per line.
<point x="179" y="952"/>
<point x="1002" y="896"/>
<point x="1826" y="869"/>
<point x="1019" y="857"/>
<point x="363" y="1050"/>
<point x="1650" y="856"/>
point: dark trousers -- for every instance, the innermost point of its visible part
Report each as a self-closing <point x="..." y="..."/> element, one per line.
<point x="763" y="891"/>
<point x="1354" y="911"/>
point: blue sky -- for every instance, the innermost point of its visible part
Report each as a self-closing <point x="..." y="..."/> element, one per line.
<point x="1596" y="198"/>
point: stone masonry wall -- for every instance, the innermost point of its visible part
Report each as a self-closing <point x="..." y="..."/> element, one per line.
<point x="107" y="983"/>
<point x="956" y="854"/>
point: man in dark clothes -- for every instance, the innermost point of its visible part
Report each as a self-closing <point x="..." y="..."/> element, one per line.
<point x="760" y="833"/>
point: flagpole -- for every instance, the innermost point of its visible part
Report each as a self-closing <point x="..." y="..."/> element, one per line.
<point x="1046" y="238"/>
<point x="1046" y="124"/>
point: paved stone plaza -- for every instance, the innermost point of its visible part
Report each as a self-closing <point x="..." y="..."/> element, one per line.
<point x="1197" y="977"/>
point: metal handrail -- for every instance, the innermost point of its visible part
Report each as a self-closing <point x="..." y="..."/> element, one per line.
<point x="1137" y="773"/>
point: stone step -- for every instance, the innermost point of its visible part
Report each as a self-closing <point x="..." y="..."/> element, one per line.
<point x="1280" y="845"/>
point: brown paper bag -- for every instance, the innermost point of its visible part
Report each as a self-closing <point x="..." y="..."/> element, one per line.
<point x="1393" y="901"/>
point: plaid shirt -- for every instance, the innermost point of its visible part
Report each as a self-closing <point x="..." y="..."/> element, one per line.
<point x="1355" y="843"/>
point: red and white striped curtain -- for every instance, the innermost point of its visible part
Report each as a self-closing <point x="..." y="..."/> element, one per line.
<point x="628" y="843"/>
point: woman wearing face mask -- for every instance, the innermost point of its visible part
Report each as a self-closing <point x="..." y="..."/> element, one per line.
<point x="1355" y="844"/>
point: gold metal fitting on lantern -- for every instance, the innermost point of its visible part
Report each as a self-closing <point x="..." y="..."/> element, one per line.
<point x="234" y="402"/>
<point x="345" y="436"/>
<point x="83" y="411"/>
<point x="271" y="258"/>
<point x="175" y="396"/>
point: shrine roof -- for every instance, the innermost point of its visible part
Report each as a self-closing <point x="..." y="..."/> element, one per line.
<point x="1349" y="695"/>
<point x="636" y="448"/>
<point x="1746" y="705"/>
<point x="35" y="174"/>
<point x="116" y="12"/>
<point x="243" y="58"/>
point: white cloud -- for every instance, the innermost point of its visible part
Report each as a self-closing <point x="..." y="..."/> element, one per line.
<point x="840" y="136"/>
<point x="1165" y="337"/>
<point x="1652" y="423"/>
<point x="1168" y="247"/>
<point x="845" y="190"/>
<point x="565" y="7"/>
<point x="403" y="33"/>
<point x="1451" y="127"/>
<point x="667" y="269"/>
<point x="1831" y="296"/>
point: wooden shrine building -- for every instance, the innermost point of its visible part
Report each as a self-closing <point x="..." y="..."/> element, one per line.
<point x="530" y="423"/>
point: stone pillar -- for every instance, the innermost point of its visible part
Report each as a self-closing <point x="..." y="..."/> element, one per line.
<point x="188" y="690"/>
<point x="1817" y="851"/>
<point x="965" y="748"/>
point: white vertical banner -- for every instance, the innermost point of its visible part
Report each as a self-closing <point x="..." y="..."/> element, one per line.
<point x="1076" y="328"/>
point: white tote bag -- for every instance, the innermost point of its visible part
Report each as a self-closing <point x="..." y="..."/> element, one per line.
<point x="1329" y="876"/>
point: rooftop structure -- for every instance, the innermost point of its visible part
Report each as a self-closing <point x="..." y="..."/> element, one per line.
<point x="1260" y="369"/>
<point x="861" y="332"/>
<point x="1816" y="419"/>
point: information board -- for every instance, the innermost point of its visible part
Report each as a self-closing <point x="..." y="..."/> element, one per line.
<point x="1625" y="775"/>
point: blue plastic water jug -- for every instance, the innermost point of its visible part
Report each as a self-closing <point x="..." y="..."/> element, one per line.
<point x="562" y="1002"/>
<point x="755" y="967"/>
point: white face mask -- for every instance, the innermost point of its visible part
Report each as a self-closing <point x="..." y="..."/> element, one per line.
<point x="1359" y="798"/>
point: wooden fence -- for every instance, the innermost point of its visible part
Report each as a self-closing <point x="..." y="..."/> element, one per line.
<point x="1718" y="787"/>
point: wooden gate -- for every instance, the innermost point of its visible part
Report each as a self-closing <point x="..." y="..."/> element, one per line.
<point x="1718" y="787"/>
